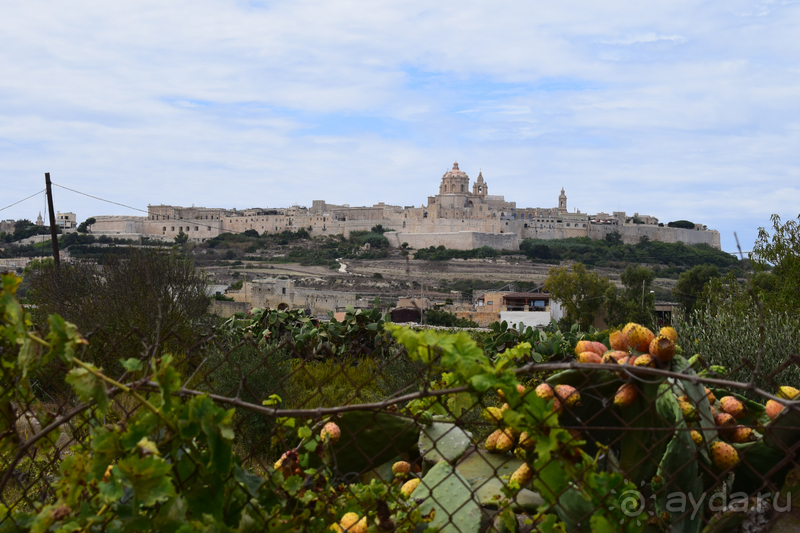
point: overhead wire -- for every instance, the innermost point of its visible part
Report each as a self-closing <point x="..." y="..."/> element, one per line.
<point x="20" y="201"/>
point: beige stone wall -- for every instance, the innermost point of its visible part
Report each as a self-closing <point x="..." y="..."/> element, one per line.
<point x="283" y="294"/>
<point x="631" y="234"/>
<point x="464" y="240"/>
<point x="483" y="318"/>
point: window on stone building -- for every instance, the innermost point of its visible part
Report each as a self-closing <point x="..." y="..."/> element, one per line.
<point x="164" y="228"/>
<point x="196" y="228"/>
<point x="172" y="228"/>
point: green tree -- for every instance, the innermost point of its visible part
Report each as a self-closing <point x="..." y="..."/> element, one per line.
<point x="181" y="238"/>
<point x="580" y="292"/>
<point x="780" y="254"/>
<point x="685" y="224"/>
<point x="690" y="286"/>
<point x="634" y="302"/>
<point x="83" y="227"/>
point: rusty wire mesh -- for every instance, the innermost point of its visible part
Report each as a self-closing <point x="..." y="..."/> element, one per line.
<point x="659" y="479"/>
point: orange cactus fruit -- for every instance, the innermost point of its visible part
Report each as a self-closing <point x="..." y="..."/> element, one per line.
<point x="557" y="407"/>
<point x="589" y="357"/>
<point x="697" y="437"/>
<point x="669" y="332"/>
<point x="639" y="337"/>
<point x="725" y="423"/>
<point x="787" y="393"/>
<point x="568" y="395"/>
<point x="409" y="486"/>
<point x="741" y="434"/>
<point x="732" y="406"/>
<point x="505" y="442"/>
<point x="348" y="520"/>
<point x="590" y="346"/>
<point x="713" y="411"/>
<point x="401" y="468"/>
<point x="545" y="391"/>
<point x="523" y="475"/>
<point x="614" y="356"/>
<point x="645" y="360"/>
<point x="491" y="440"/>
<point x="626" y="395"/>
<point x="617" y="341"/>
<point x="330" y="433"/>
<point x="774" y="409"/>
<point x="526" y="442"/>
<point x="723" y="455"/>
<point x="710" y="396"/>
<point x="520" y="388"/>
<point x="662" y="348"/>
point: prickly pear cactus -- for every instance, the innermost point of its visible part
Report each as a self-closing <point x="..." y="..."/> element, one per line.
<point x="447" y="493"/>
<point x="443" y="440"/>
<point x="370" y="439"/>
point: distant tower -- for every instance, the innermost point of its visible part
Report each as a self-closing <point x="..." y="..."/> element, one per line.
<point x="454" y="181"/>
<point x="479" y="188"/>
<point x="562" y="202"/>
<point x="39" y="221"/>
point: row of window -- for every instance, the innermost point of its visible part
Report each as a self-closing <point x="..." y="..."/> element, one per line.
<point x="181" y="228"/>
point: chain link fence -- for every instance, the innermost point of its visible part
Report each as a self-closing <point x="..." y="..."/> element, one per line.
<point x="276" y="423"/>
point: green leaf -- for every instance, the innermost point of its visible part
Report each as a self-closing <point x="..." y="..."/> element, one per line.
<point x="132" y="364"/>
<point x="89" y="387"/>
<point x="304" y="432"/>
<point x="149" y="477"/>
<point x="600" y="524"/>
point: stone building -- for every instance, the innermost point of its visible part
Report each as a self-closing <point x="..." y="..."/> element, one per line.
<point x="458" y="217"/>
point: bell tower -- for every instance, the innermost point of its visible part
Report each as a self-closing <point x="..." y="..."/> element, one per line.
<point x="562" y="202"/>
<point x="479" y="188"/>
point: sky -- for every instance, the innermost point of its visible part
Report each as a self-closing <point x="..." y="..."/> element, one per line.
<point x="677" y="109"/>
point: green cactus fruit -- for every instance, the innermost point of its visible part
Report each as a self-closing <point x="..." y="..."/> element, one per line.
<point x="732" y="406"/>
<point x="568" y="395"/>
<point x="723" y="455"/>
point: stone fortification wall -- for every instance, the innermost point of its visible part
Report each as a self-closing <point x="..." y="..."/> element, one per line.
<point x="631" y="234"/>
<point x="117" y="225"/>
<point x="463" y="240"/>
<point x="226" y="309"/>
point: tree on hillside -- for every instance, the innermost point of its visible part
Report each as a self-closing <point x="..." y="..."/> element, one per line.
<point x="84" y="227"/>
<point x="634" y="302"/>
<point x="685" y="224"/>
<point x="580" y="292"/>
<point x="181" y="238"/>
<point x="690" y="286"/>
<point x="780" y="254"/>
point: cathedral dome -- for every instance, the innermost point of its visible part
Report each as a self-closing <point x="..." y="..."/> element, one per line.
<point x="455" y="172"/>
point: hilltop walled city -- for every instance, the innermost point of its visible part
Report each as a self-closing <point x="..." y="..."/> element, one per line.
<point x="457" y="218"/>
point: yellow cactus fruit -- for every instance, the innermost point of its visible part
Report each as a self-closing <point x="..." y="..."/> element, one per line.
<point x="589" y="357"/>
<point x="626" y="395"/>
<point x="617" y="341"/>
<point x="505" y="442"/>
<point x="662" y="348"/>
<point x="568" y="395"/>
<point x="638" y="337"/>
<point x="697" y="437"/>
<point x="501" y="394"/>
<point x="774" y="409"/>
<point x="545" y="391"/>
<point x="526" y="442"/>
<point x="732" y="406"/>
<point x="360" y="526"/>
<point x="614" y="356"/>
<point x="504" y="407"/>
<point x="668" y="332"/>
<point x="409" y="486"/>
<point x="710" y="396"/>
<point x="723" y="455"/>
<point x="348" y="520"/>
<point x="336" y="527"/>
<point x="688" y="410"/>
<point x="741" y="434"/>
<point x="645" y="360"/>
<point x="491" y="440"/>
<point x="401" y="468"/>
<point x="522" y="475"/>
<point x="787" y="393"/>
<point x="493" y="414"/>
<point x="330" y="433"/>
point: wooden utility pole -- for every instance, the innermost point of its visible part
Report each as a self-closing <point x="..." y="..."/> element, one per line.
<point x="53" y="234"/>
